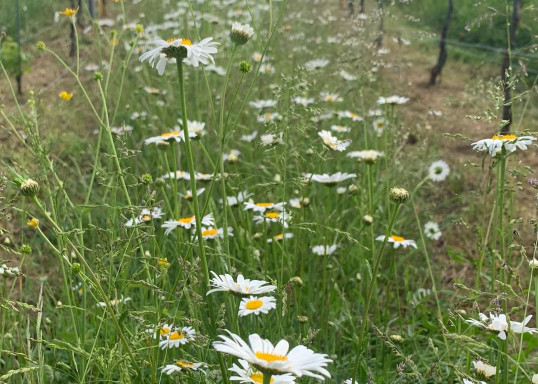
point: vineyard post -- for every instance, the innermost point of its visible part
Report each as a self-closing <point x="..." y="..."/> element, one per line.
<point x="19" y="58"/>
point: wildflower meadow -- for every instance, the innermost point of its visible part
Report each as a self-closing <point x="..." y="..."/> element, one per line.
<point x="219" y="191"/>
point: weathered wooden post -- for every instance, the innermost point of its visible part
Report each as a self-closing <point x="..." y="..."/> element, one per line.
<point x="436" y="70"/>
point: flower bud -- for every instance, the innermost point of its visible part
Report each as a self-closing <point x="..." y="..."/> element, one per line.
<point x="25" y="249"/>
<point x="76" y="268"/>
<point x="98" y="76"/>
<point x="29" y="187"/>
<point x="40" y="46"/>
<point x="367" y="220"/>
<point x="244" y="67"/>
<point x="240" y="33"/>
<point x="398" y="195"/>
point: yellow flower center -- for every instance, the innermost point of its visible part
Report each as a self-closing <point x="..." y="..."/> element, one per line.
<point x="186" y="220"/>
<point x="186" y="42"/>
<point x="397" y="238"/>
<point x="209" y="232"/>
<point x="65" y="95"/>
<point x="272" y="215"/>
<point x="146" y="217"/>
<point x="329" y="98"/>
<point x="185" y="364"/>
<point x="163" y="262"/>
<point x="167" y="134"/>
<point x="266" y="205"/>
<point x="257" y="377"/>
<point x="254" y="304"/>
<point x="380" y="124"/>
<point x="279" y="236"/>
<point x="176" y="335"/>
<point x="165" y="331"/>
<point x="268" y="115"/>
<point x="270" y="357"/>
<point x="171" y="40"/>
<point x="68" y="12"/>
<point x="504" y="137"/>
<point x="354" y="115"/>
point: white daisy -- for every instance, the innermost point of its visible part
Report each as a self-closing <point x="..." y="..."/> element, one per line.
<point x="432" y="231"/>
<point x="467" y="381"/>
<point x="303" y="101"/>
<point x="398" y="241"/>
<point x="249" y="375"/>
<point x="295" y="203"/>
<point x="316" y="64"/>
<point x="332" y="142"/>
<point x="176" y="337"/>
<point x="280" y="237"/>
<point x="195" y="128"/>
<point x="256" y="305"/>
<point x="510" y="142"/>
<point x="276" y="359"/>
<point x="340" y="128"/>
<point x="347" y="76"/>
<point x="273" y="217"/>
<point x="368" y="156"/>
<point x="232" y="156"/>
<point x="349" y="115"/>
<point x="535" y="378"/>
<point x="179" y="175"/>
<point x="235" y="200"/>
<point x="121" y="130"/>
<point x="177" y="136"/>
<point x="267" y="69"/>
<point x="114" y="302"/>
<point x="330" y="180"/>
<point x="241" y="33"/>
<point x="262" y="207"/>
<point x="213" y="233"/>
<point x="438" y="171"/>
<point x="187" y="223"/>
<point x="520" y="327"/>
<point x="260" y="104"/>
<point x="145" y="216"/>
<point x="496" y="323"/>
<point x="330" y="97"/>
<point x="379" y="125"/>
<point x="242" y="286"/>
<point x="484" y="369"/>
<point x="271" y="139"/>
<point x="268" y="117"/>
<point x="392" y="100"/>
<point x="193" y="54"/>
<point x="324" y="250"/>
<point x="188" y="193"/>
<point x="181" y="365"/>
<point x="249" y="138"/>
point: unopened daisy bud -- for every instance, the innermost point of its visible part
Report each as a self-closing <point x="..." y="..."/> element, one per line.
<point x="533" y="263"/>
<point x="7" y="241"/>
<point x="367" y="219"/>
<point x="139" y="28"/>
<point x="59" y="304"/>
<point x="244" y="67"/>
<point x="352" y="189"/>
<point x="309" y="151"/>
<point x="305" y="202"/>
<point x="302" y="319"/>
<point x="76" y="268"/>
<point x="40" y="46"/>
<point x="25" y="249"/>
<point x="146" y="179"/>
<point x="98" y="76"/>
<point x="297" y="280"/>
<point x="398" y="195"/>
<point x="159" y="182"/>
<point x="396" y="338"/>
<point x="241" y="33"/>
<point x="33" y="222"/>
<point x="29" y="187"/>
<point x="277" y="178"/>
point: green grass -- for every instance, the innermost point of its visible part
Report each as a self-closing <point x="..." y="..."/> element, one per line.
<point x="380" y="314"/>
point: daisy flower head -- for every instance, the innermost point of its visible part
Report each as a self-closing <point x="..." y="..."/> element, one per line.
<point x="262" y="207"/>
<point x="145" y="216"/>
<point x="249" y="138"/>
<point x="303" y="101"/>
<point x="114" y="302"/>
<point x="280" y="237"/>
<point x="248" y="375"/>
<point x="241" y="33"/>
<point x="332" y="142"/>
<point x="261" y="104"/>
<point x="392" y="100"/>
<point x="484" y="369"/>
<point x="495" y="323"/>
<point x="432" y="231"/>
<point x="187" y="223"/>
<point x="176" y="337"/>
<point x="467" y="381"/>
<point x="535" y="378"/>
<point x="271" y="139"/>
<point x="196" y="128"/>
<point x="349" y="115"/>
<point x="273" y="217"/>
<point x="324" y="250"/>
<point x="241" y="287"/>
<point x="438" y="171"/>
<point x="213" y="233"/>
<point x="256" y="305"/>
<point x="235" y="200"/>
<point x="510" y="142"/>
<point x="181" y="365"/>
<point x="316" y="64"/>
<point x="379" y="125"/>
<point x="268" y="117"/>
<point x="277" y="359"/>
<point x="330" y="180"/>
<point x="180" y="49"/>
<point x="520" y="327"/>
<point x="340" y="128"/>
<point x="398" y="241"/>
<point x="178" y="175"/>
<point x="369" y="156"/>
<point x="176" y="136"/>
<point x="330" y="97"/>
<point x="188" y="193"/>
<point x="231" y="157"/>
